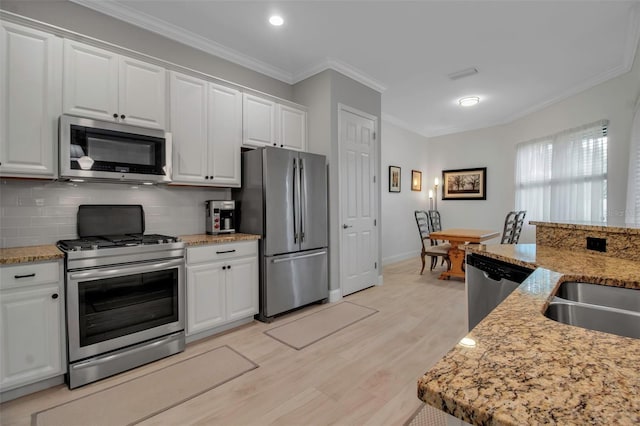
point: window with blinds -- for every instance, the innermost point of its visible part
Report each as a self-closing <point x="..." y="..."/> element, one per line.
<point x="632" y="214"/>
<point x="563" y="177"/>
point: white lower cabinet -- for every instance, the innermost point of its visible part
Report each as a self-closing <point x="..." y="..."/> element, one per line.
<point x="222" y="284"/>
<point x="31" y="324"/>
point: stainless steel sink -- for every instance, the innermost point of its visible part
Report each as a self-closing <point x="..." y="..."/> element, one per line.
<point x="613" y="310"/>
<point x="601" y="295"/>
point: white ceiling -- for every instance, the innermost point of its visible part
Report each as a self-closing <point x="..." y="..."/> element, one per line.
<point x="528" y="53"/>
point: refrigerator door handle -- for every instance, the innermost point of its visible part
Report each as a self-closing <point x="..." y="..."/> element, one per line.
<point x="295" y="178"/>
<point x="303" y="201"/>
<point x="288" y="259"/>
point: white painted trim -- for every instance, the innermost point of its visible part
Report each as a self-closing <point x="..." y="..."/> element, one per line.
<point x="335" y="295"/>
<point x="140" y="19"/>
<point x="31" y="388"/>
<point x="343" y="68"/>
<point x="376" y="155"/>
<point x="380" y="280"/>
<point x="216" y="330"/>
<point x="173" y="32"/>
<point x="399" y="257"/>
<point x="401" y="124"/>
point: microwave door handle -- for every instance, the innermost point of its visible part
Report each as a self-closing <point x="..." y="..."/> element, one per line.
<point x="295" y="228"/>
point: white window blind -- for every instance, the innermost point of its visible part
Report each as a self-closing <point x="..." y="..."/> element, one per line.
<point x="632" y="215"/>
<point x="563" y="177"/>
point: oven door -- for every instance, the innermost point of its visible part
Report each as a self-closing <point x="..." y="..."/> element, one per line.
<point x="114" y="307"/>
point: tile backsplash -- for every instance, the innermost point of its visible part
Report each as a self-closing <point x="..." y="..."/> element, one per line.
<point x="43" y="212"/>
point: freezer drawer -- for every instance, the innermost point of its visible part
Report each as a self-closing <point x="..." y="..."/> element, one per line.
<point x="293" y="280"/>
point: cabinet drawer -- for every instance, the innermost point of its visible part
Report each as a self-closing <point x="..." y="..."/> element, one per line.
<point x="215" y="252"/>
<point x="29" y="274"/>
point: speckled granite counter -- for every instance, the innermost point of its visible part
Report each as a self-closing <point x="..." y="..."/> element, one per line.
<point x="527" y="369"/>
<point x="621" y="241"/>
<point x="29" y="254"/>
<point x="200" y="239"/>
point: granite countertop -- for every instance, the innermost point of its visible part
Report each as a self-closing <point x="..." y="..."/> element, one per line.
<point x="528" y="369"/>
<point x="15" y="255"/>
<point x="611" y="227"/>
<point x="201" y="239"/>
<point x="42" y="253"/>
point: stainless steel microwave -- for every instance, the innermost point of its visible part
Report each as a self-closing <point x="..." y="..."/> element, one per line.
<point x="99" y="150"/>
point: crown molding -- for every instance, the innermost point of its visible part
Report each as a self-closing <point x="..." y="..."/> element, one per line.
<point x="173" y="32"/>
<point x="402" y="124"/>
<point x="139" y="19"/>
<point x="343" y="68"/>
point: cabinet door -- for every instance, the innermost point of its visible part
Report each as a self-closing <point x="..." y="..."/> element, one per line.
<point x="292" y="128"/>
<point x="90" y="86"/>
<point x="205" y="296"/>
<point x="225" y="135"/>
<point x="141" y="98"/>
<point x="30" y="335"/>
<point x="30" y="101"/>
<point x="258" y="122"/>
<point x="189" y="129"/>
<point x="242" y="288"/>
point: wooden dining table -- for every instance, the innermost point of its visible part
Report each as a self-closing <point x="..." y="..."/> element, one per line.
<point x="458" y="237"/>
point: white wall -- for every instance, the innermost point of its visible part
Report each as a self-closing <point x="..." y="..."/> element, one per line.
<point x="409" y="151"/>
<point x="44" y="212"/>
<point x="322" y="93"/>
<point x="495" y="148"/>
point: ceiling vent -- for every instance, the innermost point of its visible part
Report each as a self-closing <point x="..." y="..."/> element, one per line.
<point x="462" y="73"/>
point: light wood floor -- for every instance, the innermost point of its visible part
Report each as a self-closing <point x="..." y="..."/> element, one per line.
<point x="364" y="374"/>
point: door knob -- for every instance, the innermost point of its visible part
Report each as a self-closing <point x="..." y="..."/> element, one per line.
<point x="345" y="226"/>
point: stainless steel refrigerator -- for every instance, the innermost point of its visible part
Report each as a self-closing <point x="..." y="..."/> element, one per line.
<point x="284" y="199"/>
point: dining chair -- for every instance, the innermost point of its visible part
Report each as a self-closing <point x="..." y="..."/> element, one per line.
<point x="513" y="223"/>
<point x="509" y="224"/>
<point x="517" y="227"/>
<point x="430" y="247"/>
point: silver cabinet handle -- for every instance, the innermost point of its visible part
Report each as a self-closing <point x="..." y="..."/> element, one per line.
<point x="345" y="226"/>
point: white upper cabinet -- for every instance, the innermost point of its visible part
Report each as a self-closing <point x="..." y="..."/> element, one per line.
<point x="30" y="101"/>
<point x="259" y="124"/>
<point x="206" y="125"/>
<point x="225" y="135"/>
<point x="108" y="86"/>
<point x="267" y="123"/>
<point x="142" y="93"/>
<point x="189" y="128"/>
<point x="291" y="127"/>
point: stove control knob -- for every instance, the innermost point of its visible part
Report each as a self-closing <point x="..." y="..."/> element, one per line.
<point x="77" y="248"/>
<point x="160" y="241"/>
<point x="94" y="247"/>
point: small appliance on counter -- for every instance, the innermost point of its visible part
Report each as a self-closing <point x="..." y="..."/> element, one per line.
<point x="220" y="217"/>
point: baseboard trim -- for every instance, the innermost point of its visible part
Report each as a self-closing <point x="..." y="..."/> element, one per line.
<point x="399" y="257"/>
<point x="219" y="329"/>
<point x="380" y="280"/>
<point x="335" y="295"/>
<point x="33" y="387"/>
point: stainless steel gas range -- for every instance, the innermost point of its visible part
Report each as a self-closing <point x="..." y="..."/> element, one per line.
<point x="124" y="293"/>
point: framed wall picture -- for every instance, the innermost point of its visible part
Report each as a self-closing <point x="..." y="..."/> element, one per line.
<point x="416" y="180"/>
<point x="394" y="179"/>
<point x="464" y="184"/>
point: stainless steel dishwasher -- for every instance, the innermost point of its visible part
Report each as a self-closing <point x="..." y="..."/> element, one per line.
<point x="489" y="282"/>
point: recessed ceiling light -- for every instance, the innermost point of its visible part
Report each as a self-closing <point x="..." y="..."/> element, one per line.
<point x="276" y="20"/>
<point x="469" y="101"/>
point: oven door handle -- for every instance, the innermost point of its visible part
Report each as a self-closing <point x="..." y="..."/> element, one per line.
<point x="125" y="270"/>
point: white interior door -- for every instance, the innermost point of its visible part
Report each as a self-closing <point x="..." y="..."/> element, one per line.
<point x="357" y="192"/>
